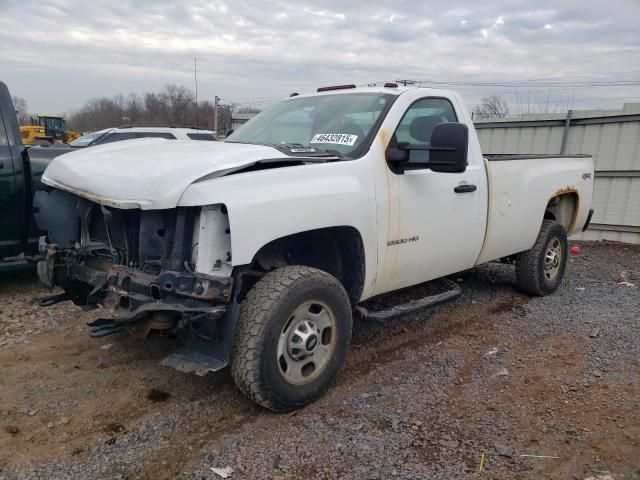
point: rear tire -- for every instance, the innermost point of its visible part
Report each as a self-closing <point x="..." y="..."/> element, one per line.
<point x="539" y="271"/>
<point x="292" y="337"/>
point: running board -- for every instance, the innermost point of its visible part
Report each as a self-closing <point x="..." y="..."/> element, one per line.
<point x="13" y="265"/>
<point x="412" y="306"/>
<point x="188" y="360"/>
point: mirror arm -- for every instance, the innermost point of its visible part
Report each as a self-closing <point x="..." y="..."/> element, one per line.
<point x="422" y="146"/>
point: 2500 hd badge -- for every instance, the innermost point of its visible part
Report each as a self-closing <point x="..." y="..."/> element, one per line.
<point x="401" y="241"/>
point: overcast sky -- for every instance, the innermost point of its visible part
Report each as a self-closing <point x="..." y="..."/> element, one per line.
<point x="59" y="53"/>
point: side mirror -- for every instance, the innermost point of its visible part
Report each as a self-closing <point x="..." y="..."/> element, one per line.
<point x="398" y="155"/>
<point x="447" y="151"/>
<point x="449" y="147"/>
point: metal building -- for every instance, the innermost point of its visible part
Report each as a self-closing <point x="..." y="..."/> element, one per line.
<point x="239" y="119"/>
<point x="611" y="136"/>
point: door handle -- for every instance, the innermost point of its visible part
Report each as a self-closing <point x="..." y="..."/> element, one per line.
<point x="465" y="188"/>
<point x="1" y="165"/>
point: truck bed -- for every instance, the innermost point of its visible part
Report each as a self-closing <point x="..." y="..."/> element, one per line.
<point x="520" y="188"/>
<point x="503" y="157"/>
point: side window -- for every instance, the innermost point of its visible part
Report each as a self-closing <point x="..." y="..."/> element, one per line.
<point x="166" y="135"/>
<point x="4" y="140"/>
<point x="115" y="137"/>
<point x="418" y="123"/>
<point x="201" y="136"/>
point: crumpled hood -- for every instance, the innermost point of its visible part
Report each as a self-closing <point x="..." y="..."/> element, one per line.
<point x="149" y="173"/>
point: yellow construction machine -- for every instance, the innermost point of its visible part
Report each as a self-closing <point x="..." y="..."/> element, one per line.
<point x="46" y="130"/>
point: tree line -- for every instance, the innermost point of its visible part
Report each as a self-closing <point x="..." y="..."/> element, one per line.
<point x="172" y="105"/>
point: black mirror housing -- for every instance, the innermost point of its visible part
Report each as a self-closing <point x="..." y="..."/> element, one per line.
<point x="397" y="155"/>
<point x="449" y="148"/>
<point x="447" y="151"/>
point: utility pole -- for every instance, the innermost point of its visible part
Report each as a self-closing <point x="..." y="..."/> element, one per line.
<point x="215" y="114"/>
<point x="195" y="79"/>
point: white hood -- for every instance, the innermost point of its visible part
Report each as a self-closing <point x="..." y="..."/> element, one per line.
<point x="150" y="173"/>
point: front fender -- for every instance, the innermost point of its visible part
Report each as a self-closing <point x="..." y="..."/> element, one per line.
<point x="269" y="204"/>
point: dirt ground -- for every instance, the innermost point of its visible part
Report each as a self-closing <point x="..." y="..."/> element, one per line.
<point x="493" y="385"/>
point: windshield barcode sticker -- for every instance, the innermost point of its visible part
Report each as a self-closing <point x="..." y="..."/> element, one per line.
<point x="335" y="138"/>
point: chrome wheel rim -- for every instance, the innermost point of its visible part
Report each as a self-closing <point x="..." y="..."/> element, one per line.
<point x="307" y="342"/>
<point x="553" y="259"/>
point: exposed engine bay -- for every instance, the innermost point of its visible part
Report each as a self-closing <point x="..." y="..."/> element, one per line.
<point x="144" y="267"/>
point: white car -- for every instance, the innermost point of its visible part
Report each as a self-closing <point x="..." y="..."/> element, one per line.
<point x="110" y="135"/>
<point x="257" y="249"/>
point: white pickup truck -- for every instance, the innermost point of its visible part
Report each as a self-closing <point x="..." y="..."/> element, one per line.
<point x="257" y="249"/>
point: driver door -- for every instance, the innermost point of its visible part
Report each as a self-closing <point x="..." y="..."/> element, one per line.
<point x="433" y="228"/>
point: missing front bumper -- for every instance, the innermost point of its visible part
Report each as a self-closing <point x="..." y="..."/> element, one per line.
<point x="130" y="294"/>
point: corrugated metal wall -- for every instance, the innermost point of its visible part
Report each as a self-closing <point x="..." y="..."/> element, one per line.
<point x="611" y="137"/>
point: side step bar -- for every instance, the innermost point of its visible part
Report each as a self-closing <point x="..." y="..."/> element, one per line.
<point x="11" y="266"/>
<point x="412" y="306"/>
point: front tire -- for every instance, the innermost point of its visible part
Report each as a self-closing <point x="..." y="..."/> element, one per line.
<point x="539" y="271"/>
<point x="292" y="337"/>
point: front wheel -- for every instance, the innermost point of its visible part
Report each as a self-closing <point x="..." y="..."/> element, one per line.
<point x="292" y="337"/>
<point x="539" y="271"/>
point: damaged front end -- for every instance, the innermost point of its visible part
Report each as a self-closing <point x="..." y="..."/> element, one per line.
<point x="142" y="266"/>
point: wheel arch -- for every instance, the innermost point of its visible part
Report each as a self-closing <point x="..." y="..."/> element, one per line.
<point x="563" y="207"/>
<point x="338" y="251"/>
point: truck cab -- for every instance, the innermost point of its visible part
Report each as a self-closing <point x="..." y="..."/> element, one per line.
<point x="257" y="249"/>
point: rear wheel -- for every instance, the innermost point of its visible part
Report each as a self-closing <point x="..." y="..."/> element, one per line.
<point x="292" y="337"/>
<point x="539" y="271"/>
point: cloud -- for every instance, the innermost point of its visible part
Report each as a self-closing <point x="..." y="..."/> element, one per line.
<point x="255" y="51"/>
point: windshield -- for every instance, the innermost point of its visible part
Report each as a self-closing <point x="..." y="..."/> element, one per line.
<point x="341" y="123"/>
<point x="87" y="139"/>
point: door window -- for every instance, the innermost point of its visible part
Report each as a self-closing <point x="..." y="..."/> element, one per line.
<point x="418" y="123"/>
<point x="4" y="140"/>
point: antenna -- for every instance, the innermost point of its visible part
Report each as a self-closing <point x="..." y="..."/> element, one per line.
<point x="195" y="80"/>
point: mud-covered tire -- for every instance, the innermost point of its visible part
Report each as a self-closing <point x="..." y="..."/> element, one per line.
<point x="538" y="270"/>
<point x="265" y="316"/>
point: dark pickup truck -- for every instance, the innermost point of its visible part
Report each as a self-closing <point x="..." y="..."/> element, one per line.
<point x="20" y="172"/>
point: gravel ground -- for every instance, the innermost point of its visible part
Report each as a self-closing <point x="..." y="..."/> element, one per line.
<point x="536" y="387"/>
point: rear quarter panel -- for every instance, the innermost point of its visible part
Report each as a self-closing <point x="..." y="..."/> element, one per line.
<point x="519" y="191"/>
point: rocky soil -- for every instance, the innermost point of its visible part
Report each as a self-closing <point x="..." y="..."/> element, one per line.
<point x="494" y="385"/>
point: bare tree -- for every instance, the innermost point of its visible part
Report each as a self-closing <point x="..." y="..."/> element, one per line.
<point x="180" y="102"/>
<point x="492" y="107"/>
<point x="22" y="110"/>
<point x="173" y="105"/>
